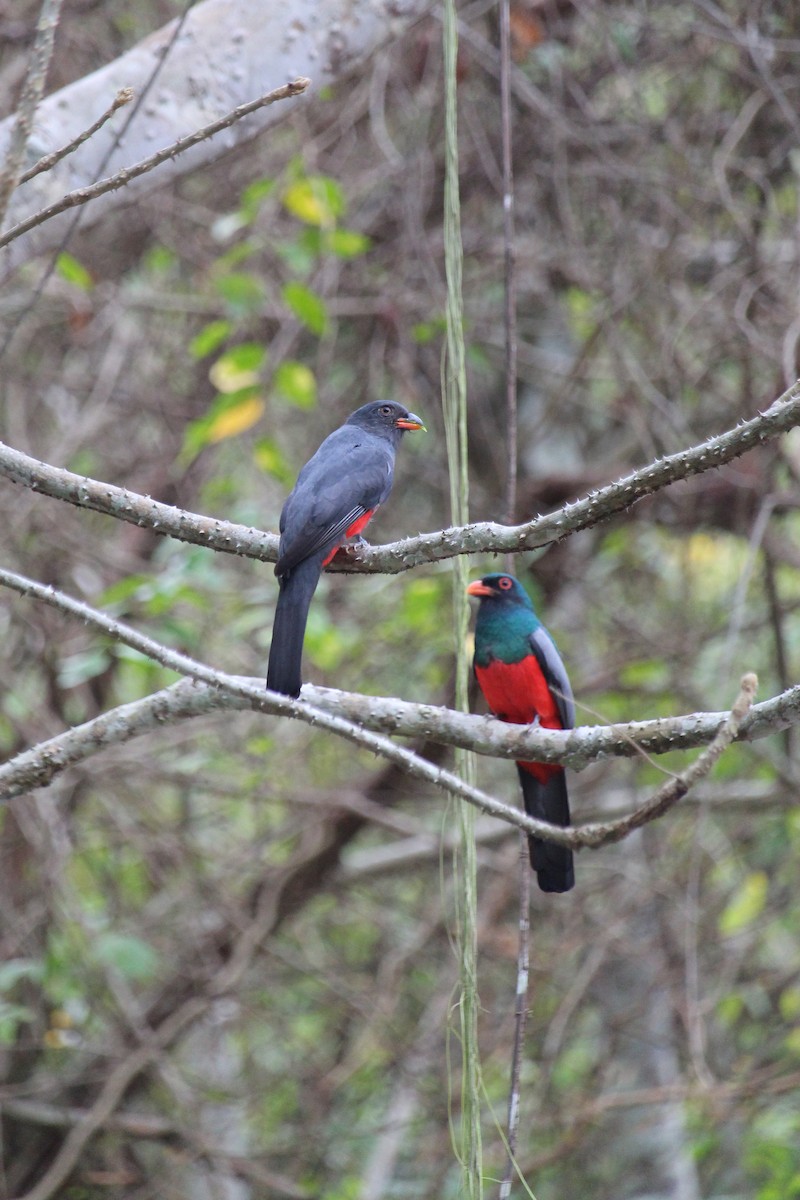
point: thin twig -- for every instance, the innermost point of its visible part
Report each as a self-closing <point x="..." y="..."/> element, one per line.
<point x="72" y="226"/>
<point x="486" y="537"/>
<point x="509" y="258"/>
<point x="48" y="161"/>
<point x="521" y="1006"/>
<point x="110" y="1095"/>
<point x="32" y="89"/>
<point x="121" y="178"/>
<point x="674" y="789"/>
<point x="510" y="322"/>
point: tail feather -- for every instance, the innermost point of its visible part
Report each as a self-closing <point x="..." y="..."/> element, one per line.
<point x="548" y="801"/>
<point x="289" y="628"/>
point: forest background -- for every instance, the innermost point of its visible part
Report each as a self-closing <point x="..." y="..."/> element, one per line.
<point x="227" y="937"/>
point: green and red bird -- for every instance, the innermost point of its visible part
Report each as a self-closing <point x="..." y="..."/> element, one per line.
<point x="336" y="493"/>
<point x="520" y="672"/>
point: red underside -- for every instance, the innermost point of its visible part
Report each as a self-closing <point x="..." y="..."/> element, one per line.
<point x="353" y="531"/>
<point x="518" y="693"/>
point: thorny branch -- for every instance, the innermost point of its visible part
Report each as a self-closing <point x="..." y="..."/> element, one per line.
<point x="208" y="690"/>
<point x="48" y="161"/>
<point x="486" y="537"/>
<point x="121" y="178"/>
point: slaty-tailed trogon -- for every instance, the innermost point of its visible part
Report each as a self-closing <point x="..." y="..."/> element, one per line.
<point x="523" y="679"/>
<point x="336" y="493"/>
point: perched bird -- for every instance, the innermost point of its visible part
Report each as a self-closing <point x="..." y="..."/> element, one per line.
<point x="523" y="678"/>
<point x="336" y="493"/>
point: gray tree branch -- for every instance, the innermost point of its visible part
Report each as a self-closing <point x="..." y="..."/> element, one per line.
<point x="208" y="690"/>
<point x="486" y="537"/>
<point x="126" y="175"/>
<point x="48" y="161"/>
<point x="225" y="53"/>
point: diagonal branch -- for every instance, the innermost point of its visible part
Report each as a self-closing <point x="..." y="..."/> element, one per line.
<point x="122" y="178"/>
<point x="48" y="161"/>
<point x="38" y="766"/>
<point x="360" y="717"/>
<point x="43" y="763"/>
<point x="673" y="790"/>
<point x="485" y="537"/>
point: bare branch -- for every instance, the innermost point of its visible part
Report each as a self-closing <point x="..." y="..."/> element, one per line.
<point x="48" y="161"/>
<point x="361" y="719"/>
<point x="29" y="100"/>
<point x="485" y="537"/>
<point x="110" y="1095"/>
<point x="136" y="509"/>
<point x="56" y="1116"/>
<point x="674" y="789"/>
<point x="121" y="178"/>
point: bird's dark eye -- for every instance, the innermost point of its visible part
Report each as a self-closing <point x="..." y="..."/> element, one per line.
<point x="386" y="410"/>
<point x="504" y="583"/>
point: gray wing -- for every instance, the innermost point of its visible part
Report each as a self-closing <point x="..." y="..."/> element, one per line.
<point x="554" y="671"/>
<point x="350" y="475"/>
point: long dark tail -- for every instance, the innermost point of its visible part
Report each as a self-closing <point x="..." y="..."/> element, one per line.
<point x="548" y="801"/>
<point x="289" y="628"/>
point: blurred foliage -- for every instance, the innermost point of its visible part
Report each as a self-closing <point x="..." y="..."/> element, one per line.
<point x="198" y="348"/>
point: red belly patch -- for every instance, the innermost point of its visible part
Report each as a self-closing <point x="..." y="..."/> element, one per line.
<point x="518" y="693"/>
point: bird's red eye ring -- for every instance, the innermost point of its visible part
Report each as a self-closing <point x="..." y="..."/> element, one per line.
<point x="504" y="583"/>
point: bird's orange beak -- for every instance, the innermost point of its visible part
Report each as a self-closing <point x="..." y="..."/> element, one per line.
<point x="479" y="588"/>
<point x="412" y="421"/>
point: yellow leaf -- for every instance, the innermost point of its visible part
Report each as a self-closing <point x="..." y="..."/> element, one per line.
<point x="301" y="201"/>
<point x="235" y="420"/>
<point x="317" y="200"/>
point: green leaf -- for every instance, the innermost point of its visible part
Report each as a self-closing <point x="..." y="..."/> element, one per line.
<point x="74" y="272"/>
<point x="298" y="255"/>
<point x="426" y="331"/>
<point x="243" y="293"/>
<point x="295" y="382"/>
<point x="730" y="1008"/>
<point x="160" y="260"/>
<point x="271" y="460"/>
<point x="789" y="1003"/>
<point x="746" y="906"/>
<point x="238" y="367"/>
<point x="132" y="957"/>
<point x="253" y="195"/>
<point x="306" y="306"/>
<point x="581" y="307"/>
<point x="644" y="673"/>
<point x="347" y="243"/>
<point x="209" y="338"/>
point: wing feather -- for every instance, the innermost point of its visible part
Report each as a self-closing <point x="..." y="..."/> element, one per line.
<point x="554" y="671"/>
<point x="349" y="476"/>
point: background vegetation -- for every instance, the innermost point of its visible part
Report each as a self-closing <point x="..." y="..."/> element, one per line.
<point x="230" y="943"/>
